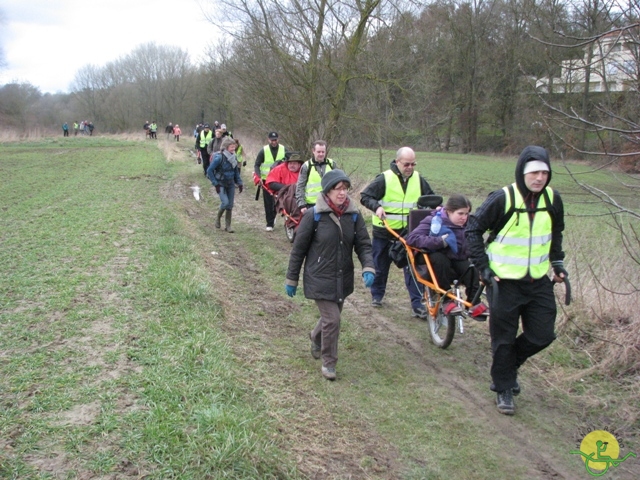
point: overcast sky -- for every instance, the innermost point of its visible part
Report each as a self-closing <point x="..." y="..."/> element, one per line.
<point x="46" y="42"/>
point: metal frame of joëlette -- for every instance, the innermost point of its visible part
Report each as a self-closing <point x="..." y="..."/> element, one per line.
<point x="433" y="310"/>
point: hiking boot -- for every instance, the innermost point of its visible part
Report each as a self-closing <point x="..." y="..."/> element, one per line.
<point x="218" y="217"/>
<point x="227" y="221"/>
<point x="376" y="302"/>
<point x="329" y="373"/>
<point x="451" y="308"/>
<point x="515" y="390"/>
<point x="316" y="348"/>
<point x="505" y="403"/>
<point x="420" y="313"/>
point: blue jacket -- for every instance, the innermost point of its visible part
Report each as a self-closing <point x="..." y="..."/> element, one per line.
<point x="220" y="172"/>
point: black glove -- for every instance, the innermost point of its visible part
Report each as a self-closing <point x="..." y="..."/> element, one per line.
<point x="240" y="187"/>
<point x="558" y="268"/>
<point x="486" y="274"/>
<point x="244" y="164"/>
<point x="218" y="189"/>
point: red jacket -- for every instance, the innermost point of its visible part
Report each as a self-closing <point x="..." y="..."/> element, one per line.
<point x="282" y="175"/>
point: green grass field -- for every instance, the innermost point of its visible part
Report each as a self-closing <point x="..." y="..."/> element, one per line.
<point x="136" y="341"/>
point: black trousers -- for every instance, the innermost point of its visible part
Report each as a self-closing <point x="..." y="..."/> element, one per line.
<point x="448" y="270"/>
<point x="534" y="303"/>
<point x="269" y="208"/>
<point x="204" y="155"/>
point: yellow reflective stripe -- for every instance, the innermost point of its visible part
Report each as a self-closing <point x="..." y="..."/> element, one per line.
<point x="523" y="242"/>
<point x="402" y="205"/>
<point x="522" y="262"/>
<point x="314" y="185"/>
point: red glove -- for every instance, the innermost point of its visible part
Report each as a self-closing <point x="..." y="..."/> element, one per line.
<point x="240" y="187"/>
<point x="256" y="179"/>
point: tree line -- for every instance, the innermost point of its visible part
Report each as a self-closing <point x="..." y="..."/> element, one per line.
<point x="447" y="75"/>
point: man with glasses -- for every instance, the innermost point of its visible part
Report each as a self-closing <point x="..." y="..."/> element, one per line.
<point x="267" y="156"/>
<point x="391" y="195"/>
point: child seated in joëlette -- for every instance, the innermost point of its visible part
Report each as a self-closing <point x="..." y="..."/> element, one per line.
<point x="447" y="250"/>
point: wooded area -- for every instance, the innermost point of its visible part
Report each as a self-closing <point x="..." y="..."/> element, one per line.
<point x="446" y="76"/>
<point x="449" y="75"/>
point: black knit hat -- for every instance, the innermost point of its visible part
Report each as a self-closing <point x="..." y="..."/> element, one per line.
<point x="332" y="178"/>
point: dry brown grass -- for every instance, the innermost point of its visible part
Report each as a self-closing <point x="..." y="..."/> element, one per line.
<point x="603" y="319"/>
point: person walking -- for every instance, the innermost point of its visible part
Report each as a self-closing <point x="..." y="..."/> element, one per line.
<point x="65" y="129"/>
<point x="326" y="238"/>
<point x="202" y="141"/>
<point x="168" y="129"/>
<point x="216" y="142"/>
<point x="76" y="127"/>
<point x="268" y="155"/>
<point x="153" y="130"/>
<point x="525" y="221"/>
<point x="225" y="175"/>
<point x="308" y="187"/>
<point x="224" y="131"/>
<point x="390" y="196"/>
<point x="177" y="132"/>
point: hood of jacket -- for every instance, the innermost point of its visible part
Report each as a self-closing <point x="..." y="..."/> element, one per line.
<point x="532" y="152"/>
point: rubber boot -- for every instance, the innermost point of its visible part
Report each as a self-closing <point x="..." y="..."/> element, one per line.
<point x="219" y="216"/>
<point x="227" y="221"/>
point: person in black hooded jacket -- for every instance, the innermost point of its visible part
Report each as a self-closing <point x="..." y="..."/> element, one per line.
<point x="525" y="221"/>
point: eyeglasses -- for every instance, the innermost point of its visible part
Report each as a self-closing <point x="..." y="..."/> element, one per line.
<point x="408" y="164"/>
<point x="341" y="189"/>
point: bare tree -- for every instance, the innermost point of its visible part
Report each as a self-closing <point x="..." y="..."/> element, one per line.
<point x="611" y="119"/>
<point x="294" y="60"/>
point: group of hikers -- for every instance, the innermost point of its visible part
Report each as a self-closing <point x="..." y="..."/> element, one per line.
<point x="524" y="220"/>
<point x="151" y="130"/>
<point x="85" y="127"/>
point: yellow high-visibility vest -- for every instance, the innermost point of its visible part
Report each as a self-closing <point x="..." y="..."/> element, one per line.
<point x="522" y="246"/>
<point x="205" y="138"/>
<point x="314" y="181"/>
<point x="269" y="160"/>
<point x="396" y="201"/>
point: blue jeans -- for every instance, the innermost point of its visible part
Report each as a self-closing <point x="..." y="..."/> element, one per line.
<point x="382" y="262"/>
<point x="227" y="194"/>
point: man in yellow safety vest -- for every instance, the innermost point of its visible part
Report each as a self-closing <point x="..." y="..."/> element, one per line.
<point x="308" y="187"/>
<point x="390" y="196"/>
<point x="268" y="155"/>
<point x="525" y="221"/>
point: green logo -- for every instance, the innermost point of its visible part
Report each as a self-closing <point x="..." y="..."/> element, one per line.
<point x="600" y="451"/>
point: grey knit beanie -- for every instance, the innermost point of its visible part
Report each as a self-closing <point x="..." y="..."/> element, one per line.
<point x="332" y="178"/>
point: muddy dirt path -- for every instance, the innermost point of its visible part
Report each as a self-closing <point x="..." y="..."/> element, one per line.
<point x="325" y="447"/>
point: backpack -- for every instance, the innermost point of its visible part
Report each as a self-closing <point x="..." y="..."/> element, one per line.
<point x="512" y="209"/>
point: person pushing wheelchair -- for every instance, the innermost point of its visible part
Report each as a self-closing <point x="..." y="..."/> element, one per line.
<point x="526" y="221"/>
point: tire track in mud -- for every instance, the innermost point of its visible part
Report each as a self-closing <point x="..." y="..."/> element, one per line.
<point x="316" y="457"/>
<point x="323" y="445"/>
<point x="541" y="462"/>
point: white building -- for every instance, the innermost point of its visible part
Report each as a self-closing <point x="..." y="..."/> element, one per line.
<point x="614" y="64"/>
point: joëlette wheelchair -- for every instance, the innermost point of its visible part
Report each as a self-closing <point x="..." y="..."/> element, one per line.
<point x="442" y="326"/>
